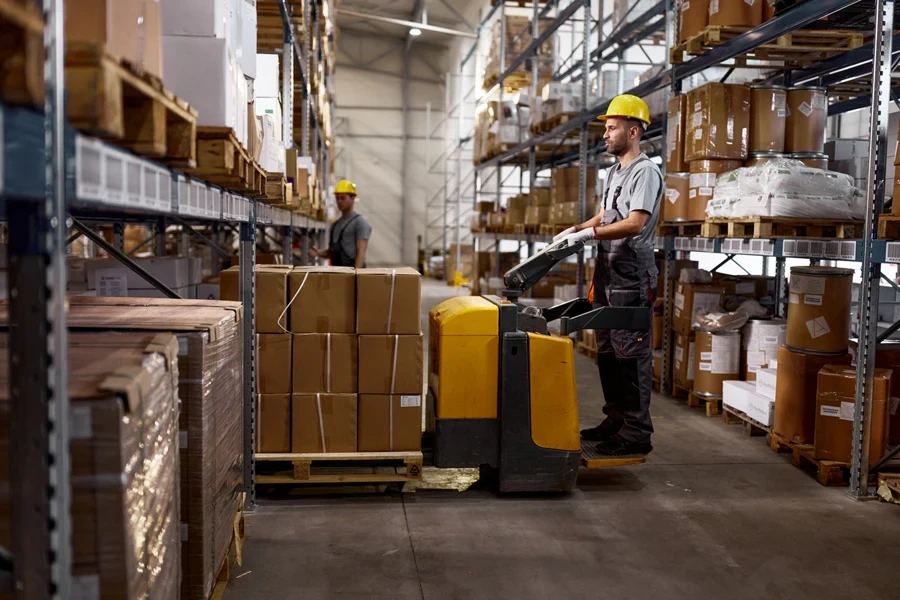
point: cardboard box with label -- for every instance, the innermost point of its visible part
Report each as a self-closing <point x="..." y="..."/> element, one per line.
<point x="324" y="362"/>
<point x="391" y="364"/>
<point x="735" y="394"/>
<point x="273" y="422"/>
<point x="795" y="393"/>
<point x="273" y="367"/>
<point x="683" y="361"/>
<point x="766" y="382"/>
<point x="717" y="122"/>
<point x="323" y="423"/>
<point x="389" y="301"/>
<point x="323" y="300"/>
<point x="761" y="408"/>
<point x="887" y="356"/>
<point x="835" y="404"/>
<point x="675" y="162"/>
<point x="390" y="423"/>
<point x="691" y="299"/>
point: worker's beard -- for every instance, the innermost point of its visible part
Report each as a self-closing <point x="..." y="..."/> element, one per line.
<point x="616" y="148"/>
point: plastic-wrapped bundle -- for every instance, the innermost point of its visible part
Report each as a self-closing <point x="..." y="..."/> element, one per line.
<point x="696" y="276"/>
<point x="719" y="321"/>
<point x="124" y="470"/>
<point x="785" y="187"/>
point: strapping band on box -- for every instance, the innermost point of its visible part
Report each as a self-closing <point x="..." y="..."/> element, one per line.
<point x="288" y="307"/>
<point x="391" y="397"/>
<point x="328" y="362"/>
<point x="321" y="424"/>
<point x="391" y="302"/>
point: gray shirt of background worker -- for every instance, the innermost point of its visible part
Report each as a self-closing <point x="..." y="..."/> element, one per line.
<point x="343" y="236"/>
<point x="641" y="183"/>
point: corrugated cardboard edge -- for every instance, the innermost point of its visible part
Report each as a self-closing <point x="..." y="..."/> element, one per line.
<point x="165" y="344"/>
<point x="131" y="383"/>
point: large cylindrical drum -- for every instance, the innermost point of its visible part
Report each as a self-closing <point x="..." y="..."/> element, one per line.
<point x="694" y="18"/>
<point x="805" y="127"/>
<point x="703" y="184"/>
<point x="760" y="339"/>
<point x="717" y="359"/>
<point x="675" y="205"/>
<point x="818" y="320"/>
<point x="760" y="158"/>
<point x="815" y="160"/>
<point x="768" y="116"/>
<point x="735" y="13"/>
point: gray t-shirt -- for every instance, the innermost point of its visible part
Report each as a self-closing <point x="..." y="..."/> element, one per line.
<point x="347" y="230"/>
<point x="642" y="188"/>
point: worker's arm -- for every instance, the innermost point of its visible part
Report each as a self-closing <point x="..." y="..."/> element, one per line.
<point x="592" y="222"/>
<point x="316" y="253"/>
<point x="624" y="228"/>
<point x="361" y="246"/>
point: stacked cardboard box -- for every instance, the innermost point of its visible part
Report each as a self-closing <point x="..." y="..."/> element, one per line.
<point x="517" y="38"/>
<point x="109" y="277"/>
<point x="211" y="419"/>
<point x="124" y="429"/>
<point x="516" y="209"/>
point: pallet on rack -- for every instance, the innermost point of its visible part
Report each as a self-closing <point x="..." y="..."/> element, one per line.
<point x="679" y="229"/>
<point x="528" y="228"/>
<point x="826" y="472"/>
<point x="343" y="467"/>
<point x="780" y="227"/>
<point x="22" y="51"/>
<point x="234" y="556"/>
<point x="111" y="98"/>
<point x="750" y="426"/>
<point x="557" y="120"/>
<point x="546" y="229"/>
<point x="516" y="80"/>
<point x="799" y="47"/>
<point x="888" y="227"/>
<point x="500" y="229"/>
<point x="589" y="351"/>
<point x="223" y="161"/>
<point x="713" y="404"/>
<point x="679" y="392"/>
<point x="278" y="191"/>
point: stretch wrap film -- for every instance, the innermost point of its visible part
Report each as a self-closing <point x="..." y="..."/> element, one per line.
<point x="124" y="464"/>
<point x="210" y="358"/>
<point x="785" y="187"/>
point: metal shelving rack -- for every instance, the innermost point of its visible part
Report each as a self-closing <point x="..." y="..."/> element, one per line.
<point x="51" y="179"/>
<point x="876" y="58"/>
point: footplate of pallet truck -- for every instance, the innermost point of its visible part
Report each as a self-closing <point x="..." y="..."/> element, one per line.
<point x="592" y="459"/>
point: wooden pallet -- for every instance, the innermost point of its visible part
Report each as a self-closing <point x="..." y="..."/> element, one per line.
<point x="22" y="51"/>
<point x="655" y="384"/>
<point x="679" y="392"/>
<point x="679" y="229"/>
<point x="713" y="404"/>
<point x="888" y="227"/>
<point x="516" y="80"/>
<point x="589" y="351"/>
<point x="798" y="48"/>
<point x="751" y="427"/>
<point x="223" y="161"/>
<point x="110" y="98"/>
<point x="552" y="229"/>
<point x="779" y="227"/>
<point x="234" y="556"/>
<point x="500" y="229"/>
<point x="826" y="472"/>
<point x="278" y="191"/>
<point x="528" y="228"/>
<point x="594" y="127"/>
<point x="344" y="467"/>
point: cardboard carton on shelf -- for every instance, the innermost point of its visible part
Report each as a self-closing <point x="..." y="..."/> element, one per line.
<point x="717" y="123"/>
<point x="691" y="299"/>
<point x="795" y="393"/>
<point x="683" y="361"/>
<point x="127" y="29"/>
<point x="323" y="423"/>
<point x="207" y="81"/>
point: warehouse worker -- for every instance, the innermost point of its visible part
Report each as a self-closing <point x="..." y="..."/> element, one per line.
<point x="625" y="275"/>
<point x="349" y="236"/>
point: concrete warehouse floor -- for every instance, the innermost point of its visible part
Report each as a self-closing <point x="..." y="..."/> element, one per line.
<point x="712" y="514"/>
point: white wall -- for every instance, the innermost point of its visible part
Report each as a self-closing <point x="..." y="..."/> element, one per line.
<point x="369" y="119"/>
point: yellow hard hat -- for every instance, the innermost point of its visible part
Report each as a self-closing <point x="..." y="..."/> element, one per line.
<point x="345" y="186"/>
<point x="629" y="107"/>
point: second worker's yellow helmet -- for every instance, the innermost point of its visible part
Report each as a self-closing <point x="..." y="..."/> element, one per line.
<point x="345" y="186"/>
<point x="629" y="107"/>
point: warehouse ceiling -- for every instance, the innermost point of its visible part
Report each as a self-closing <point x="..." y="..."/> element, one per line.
<point x="390" y="18"/>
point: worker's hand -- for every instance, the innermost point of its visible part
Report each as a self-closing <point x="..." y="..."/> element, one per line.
<point x="583" y="236"/>
<point x="564" y="233"/>
<point x="314" y="252"/>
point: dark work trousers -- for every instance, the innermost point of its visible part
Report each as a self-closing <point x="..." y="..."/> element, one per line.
<point x="624" y="278"/>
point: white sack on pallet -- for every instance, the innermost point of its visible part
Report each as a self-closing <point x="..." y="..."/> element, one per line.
<point x="786" y="188"/>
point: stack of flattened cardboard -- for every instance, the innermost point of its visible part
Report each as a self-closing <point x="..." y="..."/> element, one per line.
<point x="211" y="421"/>
<point x="124" y="463"/>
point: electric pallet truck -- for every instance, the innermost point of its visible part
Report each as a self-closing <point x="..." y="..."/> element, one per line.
<point x="501" y="390"/>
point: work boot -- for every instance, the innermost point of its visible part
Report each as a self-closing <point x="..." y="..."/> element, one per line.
<point x="618" y="446"/>
<point x="604" y="431"/>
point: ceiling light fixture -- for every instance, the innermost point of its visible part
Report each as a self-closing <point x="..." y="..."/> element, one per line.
<point x="415" y="32"/>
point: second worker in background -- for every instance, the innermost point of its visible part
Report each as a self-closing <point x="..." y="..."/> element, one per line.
<point x="349" y="235"/>
<point x="625" y="275"/>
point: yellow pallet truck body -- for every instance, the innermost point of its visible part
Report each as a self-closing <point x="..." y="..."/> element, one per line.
<point x="502" y="390"/>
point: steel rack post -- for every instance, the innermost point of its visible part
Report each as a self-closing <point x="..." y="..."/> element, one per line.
<point x="40" y="474"/>
<point x="287" y="83"/>
<point x="871" y="270"/>
<point x="583" y="148"/>
<point x="119" y="236"/>
<point x="160" y="243"/>
<point x="286" y="243"/>
<point x="532" y="150"/>
<point x="247" y="273"/>
<point x="780" y="288"/>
